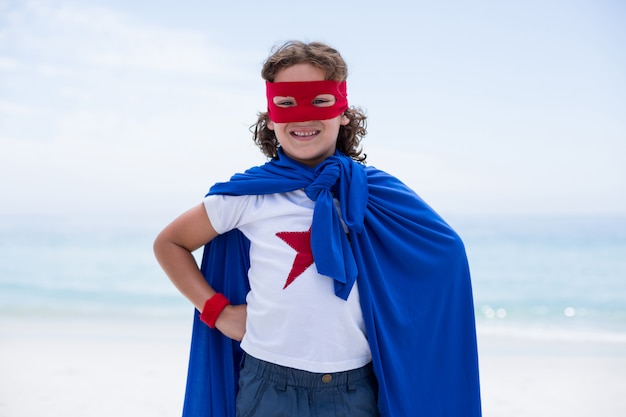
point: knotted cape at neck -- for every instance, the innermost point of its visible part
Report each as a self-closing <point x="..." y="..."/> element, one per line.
<point x="337" y="174"/>
<point x="413" y="279"/>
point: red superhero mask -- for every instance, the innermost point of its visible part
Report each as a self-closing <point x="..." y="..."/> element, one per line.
<point x="304" y="94"/>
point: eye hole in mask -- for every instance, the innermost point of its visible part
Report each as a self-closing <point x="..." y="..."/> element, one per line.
<point x="323" y="100"/>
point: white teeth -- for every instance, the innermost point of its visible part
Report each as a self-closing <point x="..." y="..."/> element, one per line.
<point x="310" y="133"/>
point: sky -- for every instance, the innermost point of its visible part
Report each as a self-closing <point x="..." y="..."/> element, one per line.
<point x="132" y="109"/>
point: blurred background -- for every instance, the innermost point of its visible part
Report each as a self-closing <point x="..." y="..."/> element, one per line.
<point x="507" y="118"/>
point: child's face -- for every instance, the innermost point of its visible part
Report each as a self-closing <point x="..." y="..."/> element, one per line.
<point x="312" y="141"/>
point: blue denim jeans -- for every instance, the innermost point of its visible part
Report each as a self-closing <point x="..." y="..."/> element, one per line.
<point x="269" y="390"/>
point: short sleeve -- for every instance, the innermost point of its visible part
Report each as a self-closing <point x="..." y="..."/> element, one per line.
<point x="227" y="212"/>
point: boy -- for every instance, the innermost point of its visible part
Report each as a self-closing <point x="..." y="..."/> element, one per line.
<point x="349" y="295"/>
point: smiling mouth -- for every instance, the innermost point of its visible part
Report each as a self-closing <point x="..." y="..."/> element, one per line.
<point x="305" y="134"/>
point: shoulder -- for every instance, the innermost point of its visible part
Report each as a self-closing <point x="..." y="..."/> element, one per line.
<point x="297" y="197"/>
<point x="377" y="178"/>
<point x="251" y="207"/>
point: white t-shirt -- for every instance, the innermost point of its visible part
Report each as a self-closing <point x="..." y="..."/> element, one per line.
<point x="298" y="323"/>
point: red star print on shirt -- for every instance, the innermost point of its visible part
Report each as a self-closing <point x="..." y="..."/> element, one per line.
<point x="301" y="243"/>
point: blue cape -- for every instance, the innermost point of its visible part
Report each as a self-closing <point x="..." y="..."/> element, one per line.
<point x="412" y="274"/>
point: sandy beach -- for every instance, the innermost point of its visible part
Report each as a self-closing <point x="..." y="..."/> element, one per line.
<point x="130" y="368"/>
<point x="524" y="377"/>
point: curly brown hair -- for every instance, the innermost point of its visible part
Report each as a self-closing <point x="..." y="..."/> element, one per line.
<point x="335" y="68"/>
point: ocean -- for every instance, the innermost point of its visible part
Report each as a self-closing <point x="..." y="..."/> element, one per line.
<point x="547" y="277"/>
<point x="551" y="277"/>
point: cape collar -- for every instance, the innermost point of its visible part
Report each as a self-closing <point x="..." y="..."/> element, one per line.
<point x="337" y="176"/>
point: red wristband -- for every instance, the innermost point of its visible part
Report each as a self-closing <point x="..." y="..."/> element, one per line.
<point x="212" y="309"/>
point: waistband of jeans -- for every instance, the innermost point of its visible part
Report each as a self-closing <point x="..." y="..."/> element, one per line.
<point x="282" y="375"/>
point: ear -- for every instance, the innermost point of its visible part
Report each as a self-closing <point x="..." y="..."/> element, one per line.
<point x="269" y="124"/>
<point x="344" y="120"/>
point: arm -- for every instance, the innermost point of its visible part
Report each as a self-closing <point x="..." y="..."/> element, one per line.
<point x="173" y="249"/>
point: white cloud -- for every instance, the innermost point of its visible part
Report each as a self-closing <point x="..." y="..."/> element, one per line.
<point x="12" y="108"/>
<point x="92" y="73"/>
<point x="84" y="35"/>
<point x="103" y="108"/>
<point x="111" y="114"/>
<point x="8" y="64"/>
